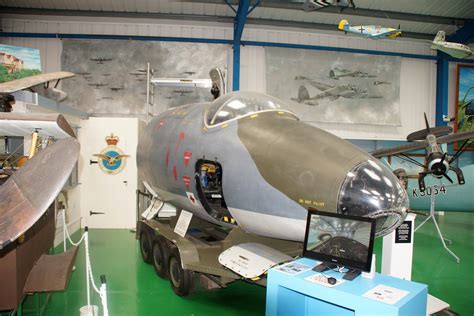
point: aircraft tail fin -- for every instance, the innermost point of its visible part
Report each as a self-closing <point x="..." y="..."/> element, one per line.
<point x="303" y="93"/>
<point x="440" y="37"/>
<point x="343" y="25"/>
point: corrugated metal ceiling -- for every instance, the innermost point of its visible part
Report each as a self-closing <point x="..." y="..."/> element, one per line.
<point x="389" y="13"/>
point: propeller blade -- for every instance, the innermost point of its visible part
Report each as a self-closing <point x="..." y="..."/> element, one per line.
<point x="427" y="124"/>
<point x="444" y="157"/>
<point x="458" y="152"/>
<point x="447" y="177"/>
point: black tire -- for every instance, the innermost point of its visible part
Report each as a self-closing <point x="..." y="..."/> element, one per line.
<point x="160" y="257"/>
<point x="145" y="248"/>
<point x="181" y="280"/>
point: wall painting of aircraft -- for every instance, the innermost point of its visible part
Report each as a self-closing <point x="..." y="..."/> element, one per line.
<point x="370" y="31"/>
<point x="337" y="73"/>
<point x="331" y="92"/>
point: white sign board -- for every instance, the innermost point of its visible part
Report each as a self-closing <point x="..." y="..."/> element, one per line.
<point x="183" y="223"/>
<point x="385" y="294"/>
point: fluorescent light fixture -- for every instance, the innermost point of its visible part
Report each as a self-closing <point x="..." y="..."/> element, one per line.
<point x="181" y="82"/>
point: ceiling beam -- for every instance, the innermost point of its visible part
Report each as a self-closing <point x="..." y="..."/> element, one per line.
<point x="187" y="17"/>
<point x="464" y="35"/>
<point x="116" y="14"/>
<point x="381" y="14"/>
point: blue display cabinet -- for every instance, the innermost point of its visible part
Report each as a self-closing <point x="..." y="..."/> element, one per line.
<point x="293" y="295"/>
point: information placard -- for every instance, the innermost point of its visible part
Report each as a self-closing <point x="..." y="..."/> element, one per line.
<point x="403" y="233"/>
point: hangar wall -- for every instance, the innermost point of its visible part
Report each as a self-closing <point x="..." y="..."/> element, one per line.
<point x="418" y="76"/>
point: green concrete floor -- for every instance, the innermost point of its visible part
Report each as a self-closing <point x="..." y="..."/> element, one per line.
<point x="134" y="289"/>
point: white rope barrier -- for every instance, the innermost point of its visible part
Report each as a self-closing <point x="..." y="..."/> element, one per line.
<point x="103" y="294"/>
<point x="89" y="275"/>
<point x="66" y="232"/>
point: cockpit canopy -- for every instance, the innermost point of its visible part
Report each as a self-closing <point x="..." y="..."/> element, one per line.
<point x="235" y="105"/>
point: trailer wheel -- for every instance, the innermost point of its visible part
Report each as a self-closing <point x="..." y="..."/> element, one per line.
<point x="145" y="248"/>
<point x="160" y="257"/>
<point x="181" y="280"/>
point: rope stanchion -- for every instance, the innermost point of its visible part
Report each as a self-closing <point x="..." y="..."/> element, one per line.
<point x="103" y="294"/>
<point x="66" y="232"/>
<point x="88" y="310"/>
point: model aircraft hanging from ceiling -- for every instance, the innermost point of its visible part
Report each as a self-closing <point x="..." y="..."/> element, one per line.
<point x="437" y="162"/>
<point x="455" y="50"/>
<point x="313" y="5"/>
<point x="370" y="31"/>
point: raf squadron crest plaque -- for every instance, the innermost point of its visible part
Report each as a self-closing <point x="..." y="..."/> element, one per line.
<point x="112" y="158"/>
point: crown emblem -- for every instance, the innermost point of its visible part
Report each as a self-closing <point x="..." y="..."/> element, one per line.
<point x="112" y="140"/>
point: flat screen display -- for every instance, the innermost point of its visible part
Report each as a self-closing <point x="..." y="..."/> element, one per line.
<point x="339" y="239"/>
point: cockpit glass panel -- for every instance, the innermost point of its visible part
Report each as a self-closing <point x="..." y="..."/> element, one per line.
<point x="239" y="104"/>
<point x="371" y="189"/>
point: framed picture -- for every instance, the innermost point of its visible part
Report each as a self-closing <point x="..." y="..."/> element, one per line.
<point x="464" y="103"/>
<point x="18" y="62"/>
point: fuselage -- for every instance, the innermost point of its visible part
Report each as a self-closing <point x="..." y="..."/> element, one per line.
<point x="453" y="49"/>
<point x="263" y="169"/>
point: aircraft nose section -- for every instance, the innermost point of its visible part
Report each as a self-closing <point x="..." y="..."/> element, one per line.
<point x="370" y="189"/>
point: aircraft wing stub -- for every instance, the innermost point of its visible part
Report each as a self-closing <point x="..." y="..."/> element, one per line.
<point x="456" y="137"/>
<point x="28" y="82"/>
<point x="399" y="149"/>
<point x="421" y="144"/>
<point x="23" y="124"/>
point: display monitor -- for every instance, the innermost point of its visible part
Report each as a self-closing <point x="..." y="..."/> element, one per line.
<point x="339" y="240"/>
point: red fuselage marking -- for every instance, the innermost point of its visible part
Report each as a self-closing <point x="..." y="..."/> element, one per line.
<point x="187" y="156"/>
<point x="187" y="181"/>
<point x="175" y="173"/>
<point x="167" y="156"/>
<point x="181" y="138"/>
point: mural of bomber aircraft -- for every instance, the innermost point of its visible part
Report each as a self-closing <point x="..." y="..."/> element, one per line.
<point x="331" y="92"/>
<point x="101" y="60"/>
<point x="337" y="73"/>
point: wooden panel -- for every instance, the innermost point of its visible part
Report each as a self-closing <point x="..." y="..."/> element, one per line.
<point x="51" y="272"/>
<point x="16" y="264"/>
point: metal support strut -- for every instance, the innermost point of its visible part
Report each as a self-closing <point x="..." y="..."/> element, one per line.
<point x="443" y="240"/>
